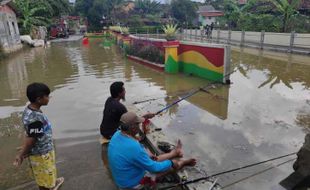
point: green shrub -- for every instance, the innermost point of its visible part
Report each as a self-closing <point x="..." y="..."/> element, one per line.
<point x="300" y="23"/>
<point x="146" y="29"/>
<point x="148" y="52"/>
<point x="252" y="22"/>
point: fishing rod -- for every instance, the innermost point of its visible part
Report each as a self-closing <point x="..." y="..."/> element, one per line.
<point x="148" y="100"/>
<point x="225" y="172"/>
<point x="194" y="92"/>
<point x="177" y="94"/>
<point x="258" y="173"/>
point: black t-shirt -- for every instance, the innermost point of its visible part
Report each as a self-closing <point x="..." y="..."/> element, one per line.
<point x="113" y="110"/>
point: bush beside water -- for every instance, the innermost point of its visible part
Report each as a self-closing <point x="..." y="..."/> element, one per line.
<point x="146" y="51"/>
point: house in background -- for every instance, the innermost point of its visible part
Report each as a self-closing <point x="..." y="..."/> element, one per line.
<point x="207" y="15"/>
<point x="242" y="2"/>
<point x="9" y="32"/>
<point x="304" y="6"/>
<point x="72" y="2"/>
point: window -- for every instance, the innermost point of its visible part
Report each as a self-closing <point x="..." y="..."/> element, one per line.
<point x="9" y="29"/>
<point x="14" y="28"/>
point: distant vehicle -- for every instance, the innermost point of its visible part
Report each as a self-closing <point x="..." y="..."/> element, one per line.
<point x="57" y="31"/>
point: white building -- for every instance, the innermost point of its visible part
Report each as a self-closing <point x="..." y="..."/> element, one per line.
<point x="207" y="15"/>
<point x="9" y="32"/>
<point x="72" y="2"/>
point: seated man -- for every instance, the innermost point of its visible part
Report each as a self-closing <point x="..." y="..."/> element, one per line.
<point x="300" y="178"/>
<point x="129" y="161"/>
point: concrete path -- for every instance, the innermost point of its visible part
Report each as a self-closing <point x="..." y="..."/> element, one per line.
<point x="80" y="165"/>
<point x="70" y="39"/>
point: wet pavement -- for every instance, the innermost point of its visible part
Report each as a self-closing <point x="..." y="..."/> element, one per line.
<point x="265" y="112"/>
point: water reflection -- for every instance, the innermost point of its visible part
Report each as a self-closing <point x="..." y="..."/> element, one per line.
<point x="29" y="66"/>
<point x="252" y="120"/>
<point x="300" y="178"/>
<point x="276" y="71"/>
<point x="10" y="138"/>
<point x="261" y="122"/>
<point x="176" y="86"/>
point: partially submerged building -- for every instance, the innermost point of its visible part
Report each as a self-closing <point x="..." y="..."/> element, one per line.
<point x="9" y="32"/>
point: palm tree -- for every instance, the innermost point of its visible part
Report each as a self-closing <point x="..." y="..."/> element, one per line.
<point x="232" y="12"/>
<point x="33" y="13"/>
<point x="59" y="7"/>
<point x="113" y="6"/>
<point x="287" y="9"/>
<point x="145" y="7"/>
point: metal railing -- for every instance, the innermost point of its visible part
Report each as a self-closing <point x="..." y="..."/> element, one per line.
<point x="286" y="42"/>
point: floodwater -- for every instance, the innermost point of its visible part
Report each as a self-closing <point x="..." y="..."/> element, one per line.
<point x="265" y="113"/>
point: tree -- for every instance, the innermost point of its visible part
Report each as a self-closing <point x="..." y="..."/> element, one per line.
<point x="145" y="7"/>
<point x="217" y="4"/>
<point x="184" y="11"/>
<point x="39" y="12"/>
<point x="232" y="13"/>
<point x="59" y="7"/>
<point x="113" y="5"/>
<point x="287" y="9"/>
<point x="94" y="10"/>
<point x="33" y="13"/>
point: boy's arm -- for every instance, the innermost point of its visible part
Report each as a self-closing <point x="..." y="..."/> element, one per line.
<point x="28" y="144"/>
<point x="34" y="130"/>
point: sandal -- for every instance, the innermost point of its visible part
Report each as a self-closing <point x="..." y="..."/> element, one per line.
<point x="59" y="182"/>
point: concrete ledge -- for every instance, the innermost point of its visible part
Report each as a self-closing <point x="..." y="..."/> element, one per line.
<point x="156" y="66"/>
<point x="70" y="39"/>
<point x="146" y="38"/>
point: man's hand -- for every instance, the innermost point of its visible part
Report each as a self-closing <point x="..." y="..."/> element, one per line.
<point x="146" y="129"/>
<point x="18" y="160"/>
<point x="149" y="115"/>
<point x="24" y="150"/>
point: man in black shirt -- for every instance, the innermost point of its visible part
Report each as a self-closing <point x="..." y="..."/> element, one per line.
<point x="114" y="109"/>
<point x="300" y="178"/>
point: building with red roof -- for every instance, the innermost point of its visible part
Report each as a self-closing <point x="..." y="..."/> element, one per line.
<point x="207" y="14"/>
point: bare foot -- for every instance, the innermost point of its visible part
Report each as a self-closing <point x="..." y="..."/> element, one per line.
<point x="19" y="148"/>
<point x="188" y="162"/>
<point x="178" y="149"/>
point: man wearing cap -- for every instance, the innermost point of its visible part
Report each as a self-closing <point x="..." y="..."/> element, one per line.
<point x="113" y="110"/>
<point x="129" y="161"/>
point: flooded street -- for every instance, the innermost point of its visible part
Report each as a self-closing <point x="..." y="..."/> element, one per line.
<point x="265" y="113"/>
